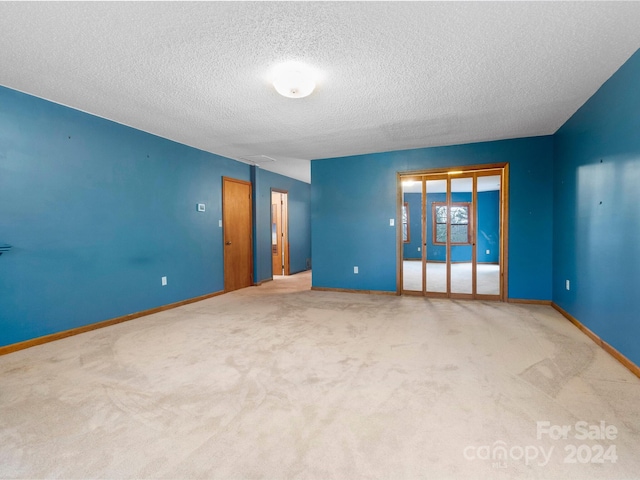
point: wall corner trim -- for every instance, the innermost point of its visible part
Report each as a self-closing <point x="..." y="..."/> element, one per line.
<point x="596" y="339"/>
<point x="14" y="347"/>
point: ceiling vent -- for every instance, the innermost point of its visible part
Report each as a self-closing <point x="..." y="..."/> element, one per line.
<point x="258" y="159"/>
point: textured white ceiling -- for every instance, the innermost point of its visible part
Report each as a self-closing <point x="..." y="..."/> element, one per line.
<point x="396" y="75"/>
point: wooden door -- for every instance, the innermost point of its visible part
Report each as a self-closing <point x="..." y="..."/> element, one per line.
<point x="237" y="234"/>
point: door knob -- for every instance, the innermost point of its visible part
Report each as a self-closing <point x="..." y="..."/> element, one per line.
<point x="227" y="243"/>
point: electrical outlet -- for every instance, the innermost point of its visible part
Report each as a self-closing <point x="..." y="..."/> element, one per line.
<point x="355" y="270"/>
<point x="567" y="284"/>
<point x="164" y="281"/>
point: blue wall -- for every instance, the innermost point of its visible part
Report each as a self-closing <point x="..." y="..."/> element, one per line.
<point x="353" y="198"/>
<point x="410" y="249"/>
<point x="488" y="237"/>
<point x="597" y="212"/>
<point x="299" y="196"/>
<point x="98" y="212"/>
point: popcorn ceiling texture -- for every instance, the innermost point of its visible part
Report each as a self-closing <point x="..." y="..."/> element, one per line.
<point x="395" y="75"/>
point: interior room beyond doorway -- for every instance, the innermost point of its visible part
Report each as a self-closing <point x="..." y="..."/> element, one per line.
<point x="452" y="234"/>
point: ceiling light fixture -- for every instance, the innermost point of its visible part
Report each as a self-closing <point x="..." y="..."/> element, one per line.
<point x="293" y="80"/>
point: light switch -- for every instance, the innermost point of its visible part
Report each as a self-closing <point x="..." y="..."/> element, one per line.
<point x="220" y="223"/>
<point x="392" y="222"/>
<point x="201" y="207"/>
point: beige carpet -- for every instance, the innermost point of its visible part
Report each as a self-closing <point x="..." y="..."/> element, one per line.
<point x="281" y="382"/>
<point x="487" y="277"/>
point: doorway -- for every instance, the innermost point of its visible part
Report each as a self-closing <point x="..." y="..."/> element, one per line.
<point x="452" y="237"/>
<point x="279" y="232"/>
<point x="237" y="234"/>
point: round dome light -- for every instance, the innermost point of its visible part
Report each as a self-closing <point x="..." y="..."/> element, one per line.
<point x="293" y="80"/>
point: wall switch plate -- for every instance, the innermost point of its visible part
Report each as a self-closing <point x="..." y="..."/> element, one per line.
<point x="488" y="252"/>
<point x="355" y="270"/>
<point x="418" y="248"/>
<point x="567" y="284"/>
<point x="220" y="223"/>
<point x="392" y="222"/>
<point x="164" y="281"/>
<point x="201" y="207"/>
